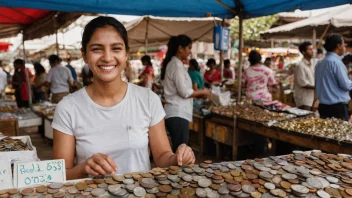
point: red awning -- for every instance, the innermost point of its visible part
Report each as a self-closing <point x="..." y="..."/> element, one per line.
<point x="21" y="16"/>
<point x="4" y="47"/>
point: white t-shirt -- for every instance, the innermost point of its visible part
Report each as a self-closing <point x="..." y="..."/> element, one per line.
<point x="120" y="131"/>
<point x="59" y="76"/>
<point x="3" y="80"/>
<point x="177" y="88"/>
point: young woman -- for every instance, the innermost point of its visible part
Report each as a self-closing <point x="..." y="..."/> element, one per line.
<point x="148" y="73"/>
<point x="212" y="76"/>
<point x="178" y="91"/>
<point x="257" y="77"/>
<point x="109" y="126"/>
<point x="196" y="77"/>
<point x="39" y="81"/>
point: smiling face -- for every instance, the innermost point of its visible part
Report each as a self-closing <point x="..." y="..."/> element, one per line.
<point x="106" y="54"/>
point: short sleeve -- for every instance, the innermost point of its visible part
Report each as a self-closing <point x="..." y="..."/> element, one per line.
<point x="49" y="76"/>
<point x="156" y="109"/>
<point x="271" y="78"/>
<point x="63" y="118"/>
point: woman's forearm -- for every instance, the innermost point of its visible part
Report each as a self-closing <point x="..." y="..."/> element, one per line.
<point x="166" y="160"/>
<point x="76" y="172"/>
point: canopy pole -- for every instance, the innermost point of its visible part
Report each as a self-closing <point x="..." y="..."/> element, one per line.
<point x="240" y="47"/>
<point x="26" y="73"/>
<point x="222" y="57"/>
<point x="323" y="35"/>
<point x="56" y="36"/>
<point x="23" y="47"/>
<point x="314" y="44"/>
<point x="272" y="43"/>
<point x="146" y="37"/>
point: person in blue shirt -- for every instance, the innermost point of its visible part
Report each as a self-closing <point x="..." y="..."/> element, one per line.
<point x="196" y="77"/>
<point x="332" y="84"/>
<point x="74" y="74"/>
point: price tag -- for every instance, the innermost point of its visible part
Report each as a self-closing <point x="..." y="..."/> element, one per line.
<point x="39" y="172"/>
<point x="5" y="175"/>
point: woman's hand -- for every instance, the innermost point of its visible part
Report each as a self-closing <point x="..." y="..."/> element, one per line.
<point x="184" y="155"/>
<point x="100" y="165"/>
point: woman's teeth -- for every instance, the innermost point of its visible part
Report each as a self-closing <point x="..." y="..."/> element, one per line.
<point x="107" y="67"/>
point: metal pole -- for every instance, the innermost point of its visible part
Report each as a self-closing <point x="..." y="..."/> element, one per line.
<point x="314" y="44"/>
<point x="24" y="49"/>
<point x="146" y="37"/>
<point x="272" y="43"/>
<point x="26" y="73"/>
<point x="222" y="57"/>
<point x="240" y="47"/>
<point x="56" y="36"/>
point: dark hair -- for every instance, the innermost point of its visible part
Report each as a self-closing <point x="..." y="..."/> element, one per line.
<point x="254" y="57"/>
<point x="19" y="62"/>
<point x="172" y="48"/>
<point x="226" y="62"/>
<point x="68" y="60"/>
<point x="39" y="69"/>
<point x="54" y="58"/>
<point x="319" y="51"/>
<point x="332" y="41"/>
<point x="100" y="22"/>
<point x="194" y="63"/>
<point x="303" y="46"/>
<point x="267" y="59"/>
<point x="147" y="59"/>
<point x="347" y="59"/>
<point x="211" y="61"/>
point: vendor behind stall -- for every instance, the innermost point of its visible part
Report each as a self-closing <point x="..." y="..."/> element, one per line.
<point x="304" y="83"/>
<point x="257" y="78"/>
<point x="110" y="126"/>
<point x="196" y="76"/>
<point x="331" y="80"/>
<point x="213" y="75"/>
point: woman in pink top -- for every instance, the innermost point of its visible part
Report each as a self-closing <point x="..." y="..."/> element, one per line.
<point x="257" y="77"/>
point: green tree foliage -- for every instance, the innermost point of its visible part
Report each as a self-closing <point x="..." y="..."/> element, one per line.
<point x="252" y="27"/>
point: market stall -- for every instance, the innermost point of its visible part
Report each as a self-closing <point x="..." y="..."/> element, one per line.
<point x="301" y="174"/>
<point x="46" y="111"/>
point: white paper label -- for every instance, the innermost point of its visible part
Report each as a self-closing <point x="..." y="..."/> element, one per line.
<point x="39" y="172"/>
<point x="5" y="175"/>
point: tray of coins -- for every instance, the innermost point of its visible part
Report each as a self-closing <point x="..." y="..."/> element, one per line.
<point x="17" y="148"/>
<point x="301" y="174"/>
<point x="330" y="129"/>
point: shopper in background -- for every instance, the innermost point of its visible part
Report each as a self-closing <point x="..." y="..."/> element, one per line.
<point x="281" y="63"/>
<point x="304" y="77"/>
<point x="74" y="76"/>
<point x="178" y="90"/>
<point x="111" y="127"/>
<point x="257" y="77"/>
<point x="267" y="62"/>
<point x="332" y="84"/>
<point x="59" y="79"/>
<point x="39" y="83"/>
<point x="196" y="77"/>
<point x="147" y="75"/>
<point x="213" y="75"/>
<point x="87" y="76"/>
<point x="20" y="82"/>
<point x="227" y="73"/>
<point x="3" y="81"/>
<point x="320" y="54"/>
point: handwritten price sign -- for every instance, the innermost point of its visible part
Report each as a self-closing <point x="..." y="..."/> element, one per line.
<point x="41" y="172"/>
<point x="5" y="175"/>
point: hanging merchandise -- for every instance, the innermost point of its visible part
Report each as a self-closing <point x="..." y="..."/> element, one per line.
<point x="221" y="38"/>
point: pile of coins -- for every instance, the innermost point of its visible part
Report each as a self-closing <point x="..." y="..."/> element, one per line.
<point x="251" y="112"/>
<point x="9" y="144"/>
<point x="328" y="128"/>
<point x="302" y="174"/>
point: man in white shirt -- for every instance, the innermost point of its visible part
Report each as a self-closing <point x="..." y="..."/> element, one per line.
<point x="304" y="83"/>
<point x="3" y="81"/>
<point x="59" y="79"/>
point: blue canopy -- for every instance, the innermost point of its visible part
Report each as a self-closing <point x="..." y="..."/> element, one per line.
<point x="174" y="8"/>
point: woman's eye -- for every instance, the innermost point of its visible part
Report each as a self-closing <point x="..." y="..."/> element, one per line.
<point x="116" y="48"/>
<point x="96" y="49"/>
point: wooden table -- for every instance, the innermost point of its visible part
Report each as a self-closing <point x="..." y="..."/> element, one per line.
<point x="197" y="126"/>
<point x="296" y="138"/>
<point x="9" y="127"/>
<point x="223" y="129"/>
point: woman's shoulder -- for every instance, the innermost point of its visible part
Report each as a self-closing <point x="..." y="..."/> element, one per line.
<point x="73" y="99"/>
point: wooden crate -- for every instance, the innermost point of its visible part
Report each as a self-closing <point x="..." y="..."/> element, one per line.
<point x="9" y="127"/>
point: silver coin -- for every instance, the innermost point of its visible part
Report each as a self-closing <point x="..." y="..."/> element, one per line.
<point x="300" y="189"/>
<point x="56" y="185"/>
<point x="114" y="188"/>
<point x="176" y="185"/>
<point x="223" y="191"/>
<point x="248" y="188"/>
<point x="269" y="186"/>
<point x="332" y="179"/>
<point x="130" y="187"/>
<point x="187" y="178"/>
<point x="175" y="192"/>
<point x="153" y="190"/>
<point x="335" y="186"/>
<point x="212" y="194"/>
<point x="201" y="192"/>
<point x="97" y="192"/>
<point x="103" y="185"/>
<point x="72" y="190"/>
<point x="231" y="166"/>
<point x="148" y="183"/>
<point x="289" y="176"/>
<point x="128" y="181"/>
<point x="165" y="182"/>
<point x="204" y="183"/>
<point x="139" y="192"/>
<point x="323" y="194"/>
